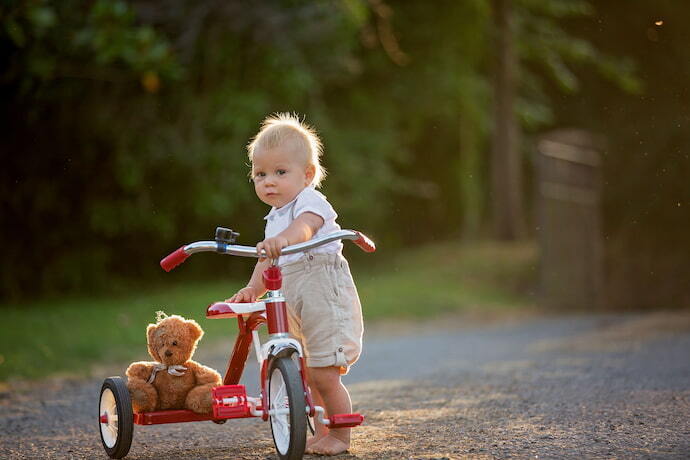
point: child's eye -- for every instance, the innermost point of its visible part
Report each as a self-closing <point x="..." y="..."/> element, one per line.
<point x="259" y="175"/>
<point x="281" y="172"/>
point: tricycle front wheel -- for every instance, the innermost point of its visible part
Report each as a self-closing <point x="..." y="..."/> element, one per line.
<point x="287" y="407"/>
<point x="115" y="418"/>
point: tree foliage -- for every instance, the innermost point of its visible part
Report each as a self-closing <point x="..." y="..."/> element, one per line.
<point x="125" y="123"/>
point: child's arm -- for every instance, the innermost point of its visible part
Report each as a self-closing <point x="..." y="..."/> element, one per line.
<point x="255" y="287"/>
<point x="303" y="228"/>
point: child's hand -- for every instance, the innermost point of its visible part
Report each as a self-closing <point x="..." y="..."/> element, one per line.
<point x="272" y="246"/>
<point x="246" y="294"/>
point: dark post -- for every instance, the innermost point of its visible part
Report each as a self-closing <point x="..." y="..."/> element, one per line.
<point x="569" y="221"/>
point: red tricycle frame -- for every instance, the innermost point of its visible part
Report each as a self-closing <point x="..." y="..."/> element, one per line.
<point x="285" y="398"/>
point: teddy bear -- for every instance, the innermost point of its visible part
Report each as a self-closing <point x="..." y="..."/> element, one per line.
<point x="173" y="381"/>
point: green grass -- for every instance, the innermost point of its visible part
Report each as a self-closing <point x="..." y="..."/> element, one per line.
<point x="444" y="278"/>
<point x="71" y="335"/>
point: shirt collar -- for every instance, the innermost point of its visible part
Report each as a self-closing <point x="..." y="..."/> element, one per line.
<point x="279" y="212"/>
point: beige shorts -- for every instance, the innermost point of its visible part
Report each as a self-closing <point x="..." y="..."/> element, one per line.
<point x="324" y="310"/>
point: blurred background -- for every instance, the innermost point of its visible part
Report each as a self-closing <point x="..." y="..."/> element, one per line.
<point x="503" y="154"/>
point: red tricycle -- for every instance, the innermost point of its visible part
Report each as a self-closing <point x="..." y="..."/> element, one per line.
<point x="284" y="400"/>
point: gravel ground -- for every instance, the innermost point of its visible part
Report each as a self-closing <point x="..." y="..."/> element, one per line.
<point x="586" y="386"/>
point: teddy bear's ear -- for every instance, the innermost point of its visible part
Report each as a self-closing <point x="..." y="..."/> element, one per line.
<point x="194" y="329"/>
<point x="150" y="331"/>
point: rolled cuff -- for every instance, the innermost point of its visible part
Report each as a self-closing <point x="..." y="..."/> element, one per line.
<point x="335" y="359"/>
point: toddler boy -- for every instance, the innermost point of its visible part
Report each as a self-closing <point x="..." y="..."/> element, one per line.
<point x="323" y="306"/>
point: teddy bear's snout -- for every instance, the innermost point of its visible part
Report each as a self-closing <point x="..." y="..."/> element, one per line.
<point x="168" y="353"/>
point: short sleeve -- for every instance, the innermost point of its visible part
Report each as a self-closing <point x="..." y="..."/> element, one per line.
<point x="314" y="202"/>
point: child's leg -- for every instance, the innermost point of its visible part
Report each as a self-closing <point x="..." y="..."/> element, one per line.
<point x="330" y="393"/>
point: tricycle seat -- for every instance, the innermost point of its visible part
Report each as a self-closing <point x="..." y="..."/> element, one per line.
<point x="231" y="310"/>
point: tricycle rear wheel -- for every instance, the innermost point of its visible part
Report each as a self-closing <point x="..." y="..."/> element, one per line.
<point x="115" y="418"/>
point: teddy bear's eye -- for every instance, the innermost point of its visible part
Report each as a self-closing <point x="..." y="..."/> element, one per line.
<point x="174" y="343"/>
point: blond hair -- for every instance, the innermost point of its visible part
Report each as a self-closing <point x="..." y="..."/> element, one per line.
<point x="281" y="128"/>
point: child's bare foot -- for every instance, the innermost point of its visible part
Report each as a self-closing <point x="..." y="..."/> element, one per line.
<point x="328" y="445"/>
<point x="314" y="439"/>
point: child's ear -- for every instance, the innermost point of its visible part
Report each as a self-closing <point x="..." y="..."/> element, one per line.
<point x="310" y="173"/>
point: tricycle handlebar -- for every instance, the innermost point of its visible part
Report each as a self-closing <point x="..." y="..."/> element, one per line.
<point x="180" y="255"/>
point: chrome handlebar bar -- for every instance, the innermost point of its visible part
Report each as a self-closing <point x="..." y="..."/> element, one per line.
<point x="180" y="255"/>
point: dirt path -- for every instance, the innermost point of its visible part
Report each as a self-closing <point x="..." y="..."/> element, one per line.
<point x="614" y="386"/>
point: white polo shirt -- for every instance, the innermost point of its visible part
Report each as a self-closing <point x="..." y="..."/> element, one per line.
<point x="308" y="200"/>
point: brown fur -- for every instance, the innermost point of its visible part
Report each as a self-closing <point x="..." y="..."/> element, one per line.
<point x="189" y="391"/>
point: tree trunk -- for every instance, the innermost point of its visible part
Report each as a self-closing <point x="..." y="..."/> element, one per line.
<point x="506" y="171"/>
<point x="470" y="177"/>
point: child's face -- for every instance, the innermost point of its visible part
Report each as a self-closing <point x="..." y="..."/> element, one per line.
<point x="279" y="175"/>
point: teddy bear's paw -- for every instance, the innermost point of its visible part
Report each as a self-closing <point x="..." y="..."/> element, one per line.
<point x="136" y="407"/>
<point x="143" y="400"/>
<point x="200" y="407"/>
<point x="199" y="400"/>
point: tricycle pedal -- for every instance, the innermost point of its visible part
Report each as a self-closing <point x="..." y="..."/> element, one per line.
<point x="345" y="420"/>
<point x="230" y="401"/>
